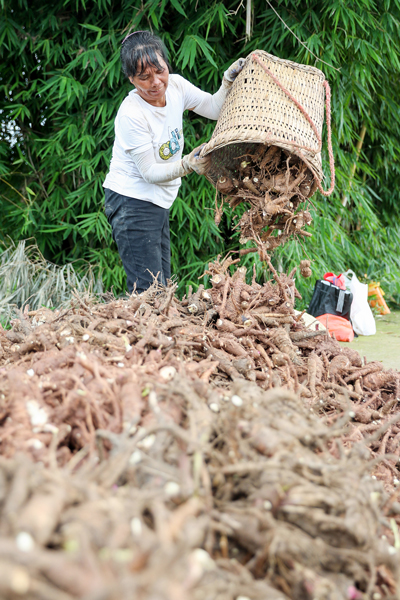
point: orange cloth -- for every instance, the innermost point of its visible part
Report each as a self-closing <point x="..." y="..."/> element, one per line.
<point x="340" y="327"/>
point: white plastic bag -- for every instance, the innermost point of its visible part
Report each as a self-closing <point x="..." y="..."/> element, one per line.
<point x="361" y="316"/>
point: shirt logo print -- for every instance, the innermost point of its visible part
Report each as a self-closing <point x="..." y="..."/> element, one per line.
<point x="171" y="147"/>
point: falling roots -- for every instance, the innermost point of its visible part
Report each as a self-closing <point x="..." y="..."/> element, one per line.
<point x="276" y="185"/>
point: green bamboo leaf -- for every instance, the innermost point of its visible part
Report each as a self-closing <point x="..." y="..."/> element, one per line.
<point x="178" y="7"/>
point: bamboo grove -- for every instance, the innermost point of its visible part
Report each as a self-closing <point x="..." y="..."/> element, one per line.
<point x="61" y="85"/>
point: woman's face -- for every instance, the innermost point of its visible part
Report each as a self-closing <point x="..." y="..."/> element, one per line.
<point x="152" y="83"/>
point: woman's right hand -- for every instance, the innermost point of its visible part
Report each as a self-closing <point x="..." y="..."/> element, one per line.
<point x="193" y="162"/>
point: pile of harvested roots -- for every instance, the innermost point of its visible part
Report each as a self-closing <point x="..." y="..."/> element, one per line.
<point x="209" y="448"/>
<point x="275" y="183"/>
<point x="244" y="503"/>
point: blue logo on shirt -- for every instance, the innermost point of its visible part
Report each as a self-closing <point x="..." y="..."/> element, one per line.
<point x="171" y="147"/>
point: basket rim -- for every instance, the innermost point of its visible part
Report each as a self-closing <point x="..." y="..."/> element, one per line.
<point x="315" y="160"/>
<point x="262" y="138"/>
<point x="290" y="63"/>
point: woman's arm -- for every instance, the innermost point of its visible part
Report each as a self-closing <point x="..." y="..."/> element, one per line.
<point x="210" y="105"/>
<point x="153" y="172"/>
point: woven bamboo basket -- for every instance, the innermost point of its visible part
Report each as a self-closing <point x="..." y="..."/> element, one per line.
<point x="272" y="102"/>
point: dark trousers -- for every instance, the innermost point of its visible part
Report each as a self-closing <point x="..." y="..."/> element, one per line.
<point x="141" y="232"/>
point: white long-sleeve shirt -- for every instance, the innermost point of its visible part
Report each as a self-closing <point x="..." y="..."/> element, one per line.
<point x="149" y="141"/>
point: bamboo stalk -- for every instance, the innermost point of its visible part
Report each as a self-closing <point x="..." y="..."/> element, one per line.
<point x="248" y="19"/>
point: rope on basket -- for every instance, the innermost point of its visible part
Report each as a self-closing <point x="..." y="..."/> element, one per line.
<point x="311" y="122"/>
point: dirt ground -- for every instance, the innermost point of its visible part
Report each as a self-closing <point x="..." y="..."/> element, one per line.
<point x="384" y="345"/>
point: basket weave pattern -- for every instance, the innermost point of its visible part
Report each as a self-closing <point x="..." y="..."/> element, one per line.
<point x="258" y="110"/>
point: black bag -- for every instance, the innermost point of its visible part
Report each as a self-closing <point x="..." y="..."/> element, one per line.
<point x="330" y="299"/>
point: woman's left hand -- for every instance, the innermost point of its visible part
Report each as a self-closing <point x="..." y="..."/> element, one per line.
<point x="234" y="70"/>
<point x="193" y="162"/>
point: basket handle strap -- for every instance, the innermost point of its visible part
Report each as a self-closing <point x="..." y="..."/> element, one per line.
<point x="313" y="126"/>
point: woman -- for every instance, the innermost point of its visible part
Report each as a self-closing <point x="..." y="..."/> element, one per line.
<point x="147" y="163"/>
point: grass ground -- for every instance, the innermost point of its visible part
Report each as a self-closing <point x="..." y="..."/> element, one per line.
<point x="385" y="344"/>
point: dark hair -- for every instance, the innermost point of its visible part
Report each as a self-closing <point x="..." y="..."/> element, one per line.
<point x="141" y="50"/>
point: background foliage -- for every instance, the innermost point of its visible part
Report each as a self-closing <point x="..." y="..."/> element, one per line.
<point x="61" y="85"/>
